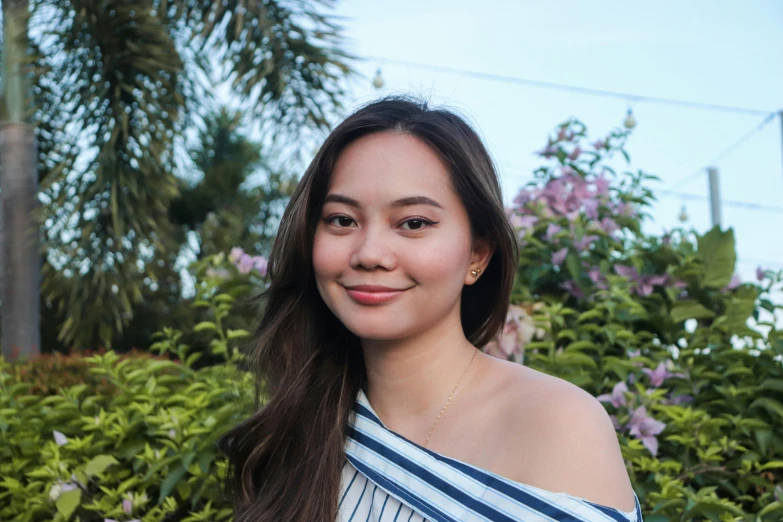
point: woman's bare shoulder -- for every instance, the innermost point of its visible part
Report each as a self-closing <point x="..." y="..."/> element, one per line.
<point x="556" y="436"/>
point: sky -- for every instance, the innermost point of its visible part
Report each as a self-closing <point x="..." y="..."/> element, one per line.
<point x="717" y="52"/>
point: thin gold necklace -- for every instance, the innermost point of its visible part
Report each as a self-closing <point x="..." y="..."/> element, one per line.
<point x="449" y="399"/>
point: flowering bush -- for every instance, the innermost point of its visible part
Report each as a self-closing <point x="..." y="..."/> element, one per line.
<point x="658" y="328"/>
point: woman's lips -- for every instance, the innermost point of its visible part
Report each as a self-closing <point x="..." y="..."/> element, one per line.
<point x="373" y="297"/>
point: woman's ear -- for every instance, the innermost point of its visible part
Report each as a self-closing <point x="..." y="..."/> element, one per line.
<point x="482" y="253"/>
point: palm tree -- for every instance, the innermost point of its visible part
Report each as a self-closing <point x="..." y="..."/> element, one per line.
<point x="118" y="85"/>
<point x="19" y="258"/>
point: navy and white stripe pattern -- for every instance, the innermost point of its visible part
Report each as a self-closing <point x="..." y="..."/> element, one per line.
<point x="387" y="478"/>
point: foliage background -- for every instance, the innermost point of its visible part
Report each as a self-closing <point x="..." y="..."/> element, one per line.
<point x="686" y="358"/>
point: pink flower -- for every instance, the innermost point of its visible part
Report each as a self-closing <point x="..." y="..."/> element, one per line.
<point x="518" y="330"/>
<point x="559" y="256"/>
<point x="127" y="505"/>
<point x="599" y="144"/>
<point x="645" y="428"/>
<point x="617" y="397"/>
<point x="575" y="153"/>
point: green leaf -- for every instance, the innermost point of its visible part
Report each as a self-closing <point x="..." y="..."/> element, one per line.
<point x="690" y="309"/>
<point x="590" y="315"/>
<point x="205" y="325"/>
<point x="68" y="501"/>
<point x="237" y="334"/>
<point x="775" y="464"/>
<point x="578" y="346"/>
<point x="772" y="385"/>
<point x="771" y="508"/>
<point x="98" y="464"/>
<point x="716" y="251"/>
<point x="170" y="481"/>
<point x="771" y="405"/>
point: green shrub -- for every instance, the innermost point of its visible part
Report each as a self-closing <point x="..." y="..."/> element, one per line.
<point x="136" y="438"/>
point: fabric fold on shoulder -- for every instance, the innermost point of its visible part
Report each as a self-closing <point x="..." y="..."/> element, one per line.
<point x="430" y="486"/>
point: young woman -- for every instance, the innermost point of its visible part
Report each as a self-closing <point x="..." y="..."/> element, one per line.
<point x="392" y="268"/>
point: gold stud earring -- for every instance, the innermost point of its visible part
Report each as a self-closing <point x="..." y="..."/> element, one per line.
<point x="475" y="272"/>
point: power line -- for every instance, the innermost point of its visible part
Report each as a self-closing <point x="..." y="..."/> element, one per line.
<point x="572" y="88"/>
<point x="724" y="202"/>
<point x="756" y="128"/>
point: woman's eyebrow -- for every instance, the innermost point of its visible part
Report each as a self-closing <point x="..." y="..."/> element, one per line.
<point x="398" y="203"/>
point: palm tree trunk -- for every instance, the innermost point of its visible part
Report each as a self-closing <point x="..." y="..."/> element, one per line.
<point x="19" y="234"/>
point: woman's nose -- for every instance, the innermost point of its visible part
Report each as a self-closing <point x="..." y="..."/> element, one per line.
<point x="373" y="249"/>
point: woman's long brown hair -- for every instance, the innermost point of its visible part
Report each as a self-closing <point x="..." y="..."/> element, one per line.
<point x="285" y="461"/>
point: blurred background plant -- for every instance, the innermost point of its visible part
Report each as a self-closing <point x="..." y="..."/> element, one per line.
<point x="686" y="358"/>
<point x="140" y="168"/>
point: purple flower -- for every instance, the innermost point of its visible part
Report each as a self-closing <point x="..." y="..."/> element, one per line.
<point x="597" y="278"/>
<point x="609" y="225"/>
<point x="617" y="397"/>
<point x="59" y="438"/>
<point x="643" y="283"/>
<point x="260" y="264"/>
<point x="127" y="505"/>
<point x="615" y="422"/>
<point x="548" y="151"/>
<point x="626" y="271"/>
<point x="625" y="209"/>
<point x="679" y="399"/>
<point x="551" y="230"/>
<point x="734" y="283"/>
<point x="559" y="256"/>
<point x="645" y="428"/>
<point x="591" y="208"/>
<point x="236" y="254"/>
<point x="245" y="264"/>
<point x="524" y="222"/>
<point x="760" y="274"/>
<point x="658" y="375"/>
<point x="585" y="242"/>
<point x="602" y="185"/>
<point x="575" y="153"/>
<point x="572" y="288"/>
<point x="599" y="144"/>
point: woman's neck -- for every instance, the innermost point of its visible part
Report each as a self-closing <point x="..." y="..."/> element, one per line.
<point x="410" y="379"/>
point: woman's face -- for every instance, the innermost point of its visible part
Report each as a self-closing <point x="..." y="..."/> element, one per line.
<point x="391" y="218"/>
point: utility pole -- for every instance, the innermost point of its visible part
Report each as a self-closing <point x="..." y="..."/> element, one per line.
<point x="714" y="196"/>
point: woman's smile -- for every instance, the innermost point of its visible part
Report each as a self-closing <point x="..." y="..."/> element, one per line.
<point x="369" y="295"/>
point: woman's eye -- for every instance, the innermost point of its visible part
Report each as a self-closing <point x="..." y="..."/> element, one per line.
<point x="418" y="223"/>
<point x="342" y="221"/>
